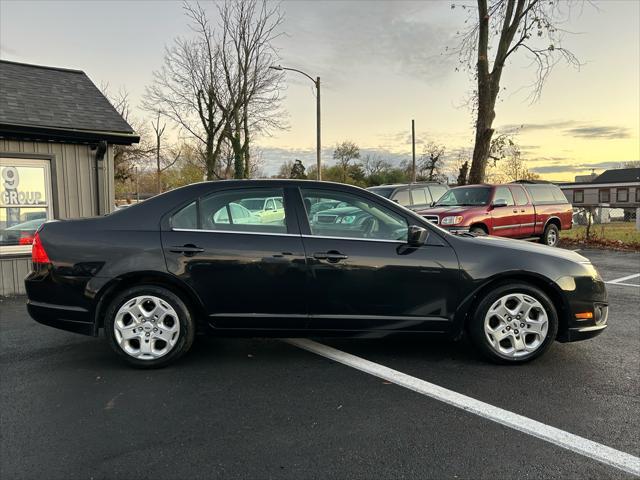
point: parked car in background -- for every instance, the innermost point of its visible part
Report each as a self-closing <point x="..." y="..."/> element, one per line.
<point x="152" y="275"/>
<point x="414" y="196"/>
<point x="512" y="210"/>
<point x="22" y="233"/>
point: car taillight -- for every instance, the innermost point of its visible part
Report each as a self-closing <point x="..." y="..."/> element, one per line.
<point x="38" y="253"/>
<point x="26" y="238"/>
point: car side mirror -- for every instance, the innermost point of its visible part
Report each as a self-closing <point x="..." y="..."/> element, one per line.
<point x="500" y="202"/>
<point x="417" y="236"/>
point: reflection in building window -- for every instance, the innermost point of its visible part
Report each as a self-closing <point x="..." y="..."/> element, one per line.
<point x="25" y="202"/>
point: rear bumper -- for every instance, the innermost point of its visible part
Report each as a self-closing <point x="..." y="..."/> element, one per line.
<point x="64" y="317"/>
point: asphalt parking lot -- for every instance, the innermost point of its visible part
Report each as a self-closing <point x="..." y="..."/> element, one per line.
<point x="264" y="408"/>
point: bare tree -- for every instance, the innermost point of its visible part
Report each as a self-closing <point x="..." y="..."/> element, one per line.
<point x="515" y="168"/>
<point x="126" y="156"/>
<point x="507" y="27"/>
<point x="217" y="86"/>
<point x="463" y="172"/>
<point x="373" y="164"/>
<point x="431" y="161"/>
<point x="187" y="90"/>
<point x="165" y="157"/>
<point x="249" y="28"/>
<point x="344" y="153"/>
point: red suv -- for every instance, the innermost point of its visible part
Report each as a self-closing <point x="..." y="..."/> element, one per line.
<point x="511" y="210"/>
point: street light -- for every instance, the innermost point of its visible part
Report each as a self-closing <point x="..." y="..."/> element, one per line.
<point x="316" y="82"/>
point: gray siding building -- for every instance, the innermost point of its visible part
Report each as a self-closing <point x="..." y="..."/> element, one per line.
<point x="57" y="133"/>
<point x="618" y="188"/>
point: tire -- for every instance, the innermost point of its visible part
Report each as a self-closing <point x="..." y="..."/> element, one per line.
<point x="162" y="332"/>
<point x="478" y="230"/>
<point x="503" y="345"/>
<point x="551" y="235"/>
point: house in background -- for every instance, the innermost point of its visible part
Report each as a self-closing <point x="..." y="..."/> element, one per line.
<point x="57" y="132"/>
<point x="612" y="189"/>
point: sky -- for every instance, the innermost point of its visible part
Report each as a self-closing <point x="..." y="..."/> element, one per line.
<point x="382" y="64"/>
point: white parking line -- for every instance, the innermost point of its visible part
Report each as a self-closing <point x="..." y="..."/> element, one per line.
<point x="622" y="279"/>
<point x="575" y="443"/>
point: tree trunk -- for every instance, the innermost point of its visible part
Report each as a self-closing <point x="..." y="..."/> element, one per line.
<point x="210" y="159"/>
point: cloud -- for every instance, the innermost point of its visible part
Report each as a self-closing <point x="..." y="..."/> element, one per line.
<point x="560" y="167"/>
<point x="571" y="128"/>
<point x="531" y="127"/>
<point x="404" y="37"/>
<point x="607" y="132"/>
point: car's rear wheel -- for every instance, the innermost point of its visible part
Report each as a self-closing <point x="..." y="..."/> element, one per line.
<point x="149" y="326"/>
<point x="478" y="230"/>
<point x="551" y="235"/>
<point x="514" y="324"/>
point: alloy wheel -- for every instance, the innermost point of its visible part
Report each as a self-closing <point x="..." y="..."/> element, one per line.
<point x="552" y="237"/>
<point x="516" y="325"/>
<point x="146" y="327"/>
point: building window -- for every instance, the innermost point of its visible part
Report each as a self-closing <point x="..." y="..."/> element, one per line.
<point x="623" y="195"/>
<point x="637" y="194"/>
<point x="605" y="196"/>
<point x="578" y="196"/>
<point x="25" y="202"/>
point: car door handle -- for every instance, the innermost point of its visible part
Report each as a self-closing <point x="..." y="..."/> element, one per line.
<point x="522" y="211"/>
<point x="331" y="256"/>
<point x="516" y="211"/>
<point x="186" y="249"/>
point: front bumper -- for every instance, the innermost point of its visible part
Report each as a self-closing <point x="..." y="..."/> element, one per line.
<point x="581" y="333"/>
<point x="589" y="297"/>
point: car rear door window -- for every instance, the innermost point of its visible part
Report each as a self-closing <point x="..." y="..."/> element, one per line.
<point x="503" y="194"/>
<point x="519" y="195"/>
<point x="353" y="217"/>
<point x="249" y="210"/>
<point x="418" y="196"/>
<point x="546" y="194"/>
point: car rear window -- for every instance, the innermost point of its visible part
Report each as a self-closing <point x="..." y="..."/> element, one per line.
<point x="546" y="194"/>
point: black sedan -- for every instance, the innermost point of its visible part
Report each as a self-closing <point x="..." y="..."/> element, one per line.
<point x="153" y="275"/>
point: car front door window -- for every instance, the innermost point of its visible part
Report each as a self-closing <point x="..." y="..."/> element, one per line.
<point x="352" y="217"/>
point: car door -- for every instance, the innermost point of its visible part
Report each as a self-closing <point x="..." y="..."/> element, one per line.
<point x="526" y="212"/>
<point x="365" y="277"/>
<point x="247" y="270"/>
<point x="504" y="214"/>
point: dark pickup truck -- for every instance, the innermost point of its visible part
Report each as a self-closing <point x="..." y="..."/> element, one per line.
<point x="510" y="210"/>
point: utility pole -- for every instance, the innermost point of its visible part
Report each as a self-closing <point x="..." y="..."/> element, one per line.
<point x="413" y="151"/>
<point x="318" y="141"/>
<point x="316" y="82"/>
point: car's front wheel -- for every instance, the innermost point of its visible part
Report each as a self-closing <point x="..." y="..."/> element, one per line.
<point x="514" y="324"/>
<point x="149" y="326"/>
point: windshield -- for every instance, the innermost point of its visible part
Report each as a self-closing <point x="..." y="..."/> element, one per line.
<point x="383" y="192"/>
<point x="466" y="196"/>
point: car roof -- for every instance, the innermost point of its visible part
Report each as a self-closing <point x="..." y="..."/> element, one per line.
<point x="397" y="185"/>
